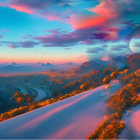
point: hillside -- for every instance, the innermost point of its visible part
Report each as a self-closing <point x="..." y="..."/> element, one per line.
<point x="37" y="85"/>
<point x="132" y="124"/>
<point x="74" y="117"/>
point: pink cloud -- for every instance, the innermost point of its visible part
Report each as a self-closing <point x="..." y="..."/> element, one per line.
<point x="105" y="10"/>
<point x="82" y="58"/>
<point x="112" y="35"/>
<point x="83" y="22"/>
<point x="102" y="13"/>
<point x="106" y="58"/>
<point x="30" y="10"/>
<point x="22" y="8"/>
<point x="52" y="18"/>
<point x="3" y="4"/>
<point x="10" y="46"/>
<point x="49" y="16"/>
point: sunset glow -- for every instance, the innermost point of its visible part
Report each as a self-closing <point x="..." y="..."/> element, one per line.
<point x="41" y="34"/>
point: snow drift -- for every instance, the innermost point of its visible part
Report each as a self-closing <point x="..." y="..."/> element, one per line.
<point x="132" y="124"/>
<point x="72" y="118"/>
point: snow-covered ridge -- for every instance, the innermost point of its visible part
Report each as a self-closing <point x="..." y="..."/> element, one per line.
<point x="72" y="118"/>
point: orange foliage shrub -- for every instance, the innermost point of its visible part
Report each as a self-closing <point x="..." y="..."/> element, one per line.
<point x="4" y="116"/>
<point x="85" y="85"/>
<point x="109" y="128"/>
<point x="113" y="104"/>
<point x="114" y="75"/>
<point x="20" y="100"/>
<point x="107" y="79"/>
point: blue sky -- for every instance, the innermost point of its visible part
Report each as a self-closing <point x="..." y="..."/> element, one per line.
<point x="60" y="31"/>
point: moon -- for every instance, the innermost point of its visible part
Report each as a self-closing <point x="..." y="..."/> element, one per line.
<point x="134" y="45"/>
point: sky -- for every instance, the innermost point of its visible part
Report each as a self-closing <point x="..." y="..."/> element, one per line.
<point x="60" y="31"/>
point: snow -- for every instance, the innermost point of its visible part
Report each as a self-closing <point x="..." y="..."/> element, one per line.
<point x="41" y="94"/>
<point x="132" y="124"/>
<point x="73" y="118"/>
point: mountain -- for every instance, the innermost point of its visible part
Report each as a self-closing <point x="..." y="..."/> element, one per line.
<point x="71" y="64"/>
<point x="14" y="68"/>
<point x="47" y="66"/>
<point x="72" y="118"/>
<point x="67" y="65"/>
<point x="120" y="61"/>
<point x="133" y="61"/>
<point x="88" y="66"/>
<point x="26" y="68"/>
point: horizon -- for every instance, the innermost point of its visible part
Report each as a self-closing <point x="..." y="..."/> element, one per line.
<point x="41" y="63"/>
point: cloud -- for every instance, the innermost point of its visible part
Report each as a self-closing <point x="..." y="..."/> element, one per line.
<point x="86" y="36"/>
<point x="101" y="14"/>
<point x="50" y="10"/>
<point x="110" y="20"/>
<point x="94" y="50"/>
<point x="106" y="58"/>
<point x="106" y="35"/>
<point x="27" y="37"/>
<point x="83" y="22"/>
<point x="119" y="47"/>
<point x="37" y="4"/>
<point x="1" y="36"/>
<point x="56" y="38"/>
<point x="67" y="48"/>
<point x="22" y="8"/>
<point x="21" y="44"/>
<point x="109" y="14"/>
<point x="83" y="58"/>
<point x="60" y="39"/>
<point x="3" y="4"/>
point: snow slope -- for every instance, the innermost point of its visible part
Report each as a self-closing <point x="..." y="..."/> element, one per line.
<point x="72" y="118"/>
<point x="132" y="124"/>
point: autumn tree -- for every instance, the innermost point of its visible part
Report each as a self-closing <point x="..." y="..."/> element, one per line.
<point x="107" y="79"/>
<point x="114" y="75"/>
